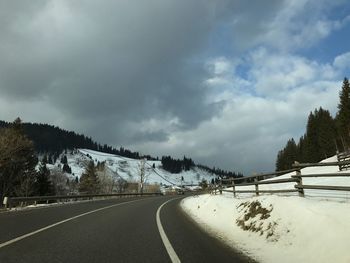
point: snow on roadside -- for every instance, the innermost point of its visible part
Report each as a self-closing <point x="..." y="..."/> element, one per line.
<point x="284" y="227"/>
<point x="293" y="230"/>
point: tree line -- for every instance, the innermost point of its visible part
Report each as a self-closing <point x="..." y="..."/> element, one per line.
<point x="220" y="172"/>
<point x="176" y="165"/>
<point x="324" y="136"/>
<point x="53" y="141"/>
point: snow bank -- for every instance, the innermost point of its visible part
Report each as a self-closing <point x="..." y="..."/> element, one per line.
<point x="283" y="227"/>
<point x="292" y="229"/>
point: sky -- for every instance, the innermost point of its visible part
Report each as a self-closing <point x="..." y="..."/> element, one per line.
<point x="226" y="82"/>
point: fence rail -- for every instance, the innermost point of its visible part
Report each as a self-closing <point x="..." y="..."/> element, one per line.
<point x="342" y="157"/>
<point x="13" y="201"/>
<point x="297" y="178"/>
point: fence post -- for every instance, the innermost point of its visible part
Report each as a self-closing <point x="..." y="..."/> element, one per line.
<point x="233" y="188"/>
<point x="5" y="202"/>
<point x="256" y="186"/>
<point x="299" y="180"/>
<point x="220" y="186"/>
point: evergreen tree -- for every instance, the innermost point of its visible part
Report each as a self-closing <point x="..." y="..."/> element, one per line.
<point x="287" y="156"/>
<point x="89" y="182"/>
<point x="312" y="148"/>
<point x="43" y="184"/>
<point x="64" y="159"/>
<point x="45" y="160"/>
<point x="343" y="115"/>
<point x="66" y="168"/>
<point x="327" y="134"/>
<point x="17" y="162"/>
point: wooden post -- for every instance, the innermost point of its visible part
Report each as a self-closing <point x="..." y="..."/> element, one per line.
<point x="6" y="202"/>
<point x="233" y="188"/>
<point x="299" y="181"/>
<point x="256" y="186"/>
<point x="220" y="187"/>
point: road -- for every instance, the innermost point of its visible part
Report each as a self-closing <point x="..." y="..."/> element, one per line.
<point x="115" y="230"/>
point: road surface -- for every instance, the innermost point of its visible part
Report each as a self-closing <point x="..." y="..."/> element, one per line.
<point x="115" y="230"/>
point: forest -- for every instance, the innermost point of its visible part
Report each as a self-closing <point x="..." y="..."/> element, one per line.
<point x="324" y="137"/>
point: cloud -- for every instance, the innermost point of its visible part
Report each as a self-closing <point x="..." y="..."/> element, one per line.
<point x="285" y="25"/>
<point x="220" y="81"/>
<point x="342" y="61"/>
<point x="122" y="61"/>
<point x="253" y="126"/>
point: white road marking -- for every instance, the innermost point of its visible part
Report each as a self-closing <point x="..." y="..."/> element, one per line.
<point x="169" y="248"/>
<point x="61" y="222"/>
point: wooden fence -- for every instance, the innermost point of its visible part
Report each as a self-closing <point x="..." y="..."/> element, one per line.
<point x="227" y="184"/>
<point x="343" y="157"/>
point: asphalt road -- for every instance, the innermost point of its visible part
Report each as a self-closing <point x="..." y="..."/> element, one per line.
<point x="115" y="230"/>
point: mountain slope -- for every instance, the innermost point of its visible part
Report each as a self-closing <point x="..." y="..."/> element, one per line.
<point x="129" y="169"/>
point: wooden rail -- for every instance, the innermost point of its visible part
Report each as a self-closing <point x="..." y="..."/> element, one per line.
<point x="342" y="157"/>
<point x="299" y="187"/>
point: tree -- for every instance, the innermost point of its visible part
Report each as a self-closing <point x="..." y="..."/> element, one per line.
<point x="59" y="182"/>
<point x="43" y="184"/>
<point x="320" y="136"/>
<point x="89" y="182"/>
<point x="287" y="156"/>
<point x="343" y="115"/>
<point x="66" y="168"/>
<point x="142" y="174"/>
<point x="64" y="159"/>
<point x="203" y="184"/>
<point x="17" y="162"/>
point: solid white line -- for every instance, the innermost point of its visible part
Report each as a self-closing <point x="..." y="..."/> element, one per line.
<point x="169" y="248"/>
<point x="61" y="222"/>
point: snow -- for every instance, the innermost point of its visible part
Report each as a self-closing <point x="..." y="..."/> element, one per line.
<point x="128" y="169"/>
<point x="281" y="228"/>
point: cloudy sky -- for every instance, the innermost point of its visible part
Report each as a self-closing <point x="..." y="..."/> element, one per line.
<point x="225" y="82"/>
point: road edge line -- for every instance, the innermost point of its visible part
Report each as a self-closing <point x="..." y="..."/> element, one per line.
<point x="14" y="240"/>
<point x="169" y="248"/>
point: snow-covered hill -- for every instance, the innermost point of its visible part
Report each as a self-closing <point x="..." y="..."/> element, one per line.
<point x="129" y="169"/>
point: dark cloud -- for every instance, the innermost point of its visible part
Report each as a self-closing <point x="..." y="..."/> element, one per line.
<point x="122" y="61"/>
<point x="129" y="72"/>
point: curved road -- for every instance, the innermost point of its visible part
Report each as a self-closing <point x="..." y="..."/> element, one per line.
<point x="115" y="230"/>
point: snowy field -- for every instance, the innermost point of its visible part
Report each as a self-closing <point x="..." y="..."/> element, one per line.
<point x="281" y="228"/>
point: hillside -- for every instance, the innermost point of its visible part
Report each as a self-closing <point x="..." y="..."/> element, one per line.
<point x="53" y="140"/>
<point x="128" y="169"/>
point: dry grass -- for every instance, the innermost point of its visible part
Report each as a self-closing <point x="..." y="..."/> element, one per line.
<point x="252" y="219"/>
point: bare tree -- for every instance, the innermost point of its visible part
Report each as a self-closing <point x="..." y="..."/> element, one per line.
<point x="61" y="182"/>
<point x="142" y="174"/>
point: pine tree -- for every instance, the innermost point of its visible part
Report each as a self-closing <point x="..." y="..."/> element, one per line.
<point x="326" y="135"/>
<point x="66" y="168"/>
<point x="312" y="133"/>
<point x="43" y="184"/>
<point x="343" y="115"/>
<point x="287" y="156"/>
<point x="17" y="162"/>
